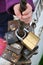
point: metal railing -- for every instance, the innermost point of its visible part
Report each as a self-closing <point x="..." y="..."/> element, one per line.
<point x="37" y="12"/>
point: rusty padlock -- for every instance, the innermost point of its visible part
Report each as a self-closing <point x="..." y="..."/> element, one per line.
<point x="11" y="56"/>
<point x="23" y="61"/>
<point x="12" y="25"/>
<point x="26" y="62"/>
<point x="30" y="41"/>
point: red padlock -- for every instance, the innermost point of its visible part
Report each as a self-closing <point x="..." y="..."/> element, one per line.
<point x="3" y="45"/>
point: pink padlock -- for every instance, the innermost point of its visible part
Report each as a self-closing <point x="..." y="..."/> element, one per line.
<point x="3" y="45"/>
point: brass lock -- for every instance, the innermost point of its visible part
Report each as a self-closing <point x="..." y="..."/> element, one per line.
<point x="30" y="41"/>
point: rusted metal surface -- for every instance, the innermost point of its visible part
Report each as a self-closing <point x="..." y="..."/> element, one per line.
<point x="15" y="48"/>
<point x="11" y="56"/>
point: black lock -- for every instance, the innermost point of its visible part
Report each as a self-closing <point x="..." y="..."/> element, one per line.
<point x="28" y="54"/>
<point x="11" y="37"/>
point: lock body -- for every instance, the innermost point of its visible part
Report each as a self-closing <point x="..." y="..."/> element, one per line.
<point x="11" y="37"/>
<point x="11" y="56"/>
<point x="30" y="41"/>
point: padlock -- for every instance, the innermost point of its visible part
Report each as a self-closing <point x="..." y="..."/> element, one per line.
<point x="30" y="41"/>
<point x="23" y="61"/>
<point x="10" y="56"/>
<point x="25" y="52"/>
<point x="12" y="25"/>
<point x="10" y="37"/>
<point x="28" y="54"/>
<point x="15" y="48"/>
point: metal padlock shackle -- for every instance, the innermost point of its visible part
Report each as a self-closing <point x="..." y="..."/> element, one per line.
<point x="20" y="38"/>
<point x="26" y="30"/>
